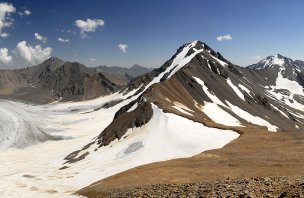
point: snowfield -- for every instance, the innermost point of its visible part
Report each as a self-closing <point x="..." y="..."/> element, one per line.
<point x="218" y="115"/>
<point x="34" y="170"/>
<point x="21" y="127"/>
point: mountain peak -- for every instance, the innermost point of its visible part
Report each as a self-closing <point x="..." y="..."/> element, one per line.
<point x="136" y="66"/>
<point x="52" y="62"/>
<point x="270" y="62"/>
<point x="53" y="59"/>
<point x="277" y="60"/>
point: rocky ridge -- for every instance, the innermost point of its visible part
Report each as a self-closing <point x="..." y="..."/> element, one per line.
<point x="246" y="187"/>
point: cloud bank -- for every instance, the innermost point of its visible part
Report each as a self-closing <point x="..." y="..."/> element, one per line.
<point x="4" y="57"/>
<point x="31" y="54"/>
<point x="5" y="21"/>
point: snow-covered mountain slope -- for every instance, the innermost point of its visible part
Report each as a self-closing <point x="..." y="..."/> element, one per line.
<point x="34" y="170"/>
<point x="40" y="170"/>
<point x="20" y="127"/>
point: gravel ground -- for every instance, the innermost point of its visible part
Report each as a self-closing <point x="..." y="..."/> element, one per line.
<point x="253" y="187"/>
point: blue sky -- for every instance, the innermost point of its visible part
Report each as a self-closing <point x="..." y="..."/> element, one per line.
<point x="152" y="30"/>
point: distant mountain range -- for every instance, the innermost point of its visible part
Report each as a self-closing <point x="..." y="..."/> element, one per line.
<point x="122" y="75"/>
<point x="55" y="79"/>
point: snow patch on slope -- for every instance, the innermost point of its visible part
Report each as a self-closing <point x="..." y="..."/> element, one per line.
<point x="235" y="89"/>
<point x="250" y="118"/>
<point x="212" y="97"/>
<point x="133" y="107"/>
<point x="244" y="89"/>
<point x="218" y="115"/>
<point x="182" y="108"/>
<point x="284" y="83"/>
<point x="219" y="61"/>
<point x="238" y="111"/>
<point x="276" y="108"/>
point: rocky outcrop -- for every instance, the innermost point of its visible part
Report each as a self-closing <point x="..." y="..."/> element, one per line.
<point x="126" y="119"/>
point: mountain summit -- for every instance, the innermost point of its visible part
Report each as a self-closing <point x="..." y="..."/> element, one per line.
<point x="277" y="60"/>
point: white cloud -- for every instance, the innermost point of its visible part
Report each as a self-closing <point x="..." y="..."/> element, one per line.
<point x="5" y="11"/>
<point x="33" y="54"/>
<point x="27" y="12"/>
<point x="224" y="37"/>
<point x="92" y="59"/>
<point x="4" y="57"/>
<point x="123" y="47"/>
<point x="4" y="35"/>
<point x="24" y="12"/>
<point x="40" y="38"/>
<point x="90" y="25"/>
<point x="63" y="40"/>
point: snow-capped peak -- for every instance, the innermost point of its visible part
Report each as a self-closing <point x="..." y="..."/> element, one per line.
<point x="280" y="61"/>
<point x="276" y="59"/>
<point x="270" y="62"/>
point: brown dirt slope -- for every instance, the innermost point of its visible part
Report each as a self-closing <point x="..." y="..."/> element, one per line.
<point x="256" y="153"/>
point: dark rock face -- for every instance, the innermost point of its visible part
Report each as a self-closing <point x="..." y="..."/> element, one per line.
<point x="125" y="120"/>
<point x="300" y="78"/>
<point x="299" y="63"/>
<point x="262" y="101"/>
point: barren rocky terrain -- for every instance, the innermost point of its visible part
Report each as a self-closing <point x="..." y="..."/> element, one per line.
<point x="249" y="187"/>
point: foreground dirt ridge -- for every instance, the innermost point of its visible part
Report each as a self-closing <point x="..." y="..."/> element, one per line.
<point x="256" y="154"/>
<point x="251" y="187"/>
